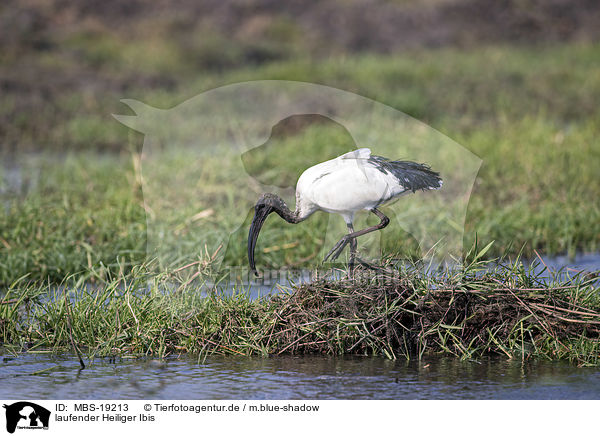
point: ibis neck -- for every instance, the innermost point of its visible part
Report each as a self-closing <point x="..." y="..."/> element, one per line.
<point x="276" y="204"/>
<point x="284" y="212"/>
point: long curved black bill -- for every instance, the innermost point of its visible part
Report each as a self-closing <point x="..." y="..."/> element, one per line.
<point x="260" y="215"/>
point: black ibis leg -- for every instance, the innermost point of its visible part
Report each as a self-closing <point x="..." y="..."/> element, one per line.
<point x="354" y="259"/>
<point x="353" y="245"/>
<point x="337" y="248"/>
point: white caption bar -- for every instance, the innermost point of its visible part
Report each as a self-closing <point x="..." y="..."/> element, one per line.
<point x="23" y="417"/>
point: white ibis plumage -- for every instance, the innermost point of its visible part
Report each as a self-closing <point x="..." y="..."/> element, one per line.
<point x="351" y="182"/>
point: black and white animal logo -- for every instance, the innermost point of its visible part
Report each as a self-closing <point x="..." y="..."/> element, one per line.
<point x="24" y="414"/>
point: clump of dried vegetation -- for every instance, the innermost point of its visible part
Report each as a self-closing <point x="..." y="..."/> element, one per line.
<point x="504" y="311"/>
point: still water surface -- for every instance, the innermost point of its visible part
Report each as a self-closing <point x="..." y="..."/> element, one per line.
<point x="293" y="378"/>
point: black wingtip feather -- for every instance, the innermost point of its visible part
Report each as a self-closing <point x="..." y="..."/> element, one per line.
<point x="413" y="176"/>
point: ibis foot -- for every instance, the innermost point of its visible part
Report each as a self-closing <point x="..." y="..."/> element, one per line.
<point x="335" y="252"/>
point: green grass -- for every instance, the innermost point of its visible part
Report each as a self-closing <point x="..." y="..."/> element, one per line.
<point x="466" y="313"/>
<point x="75" y="221"/>
<point x="83" y="212"/>
<point x="456" y="91"/>
<point x="89" y="210"/>
<point x="529" y="113"/>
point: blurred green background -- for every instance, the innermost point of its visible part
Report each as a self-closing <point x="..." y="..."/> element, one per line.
<point x="515" y="81"/>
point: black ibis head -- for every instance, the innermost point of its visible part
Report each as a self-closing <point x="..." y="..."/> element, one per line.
<point x="266" y="204"/>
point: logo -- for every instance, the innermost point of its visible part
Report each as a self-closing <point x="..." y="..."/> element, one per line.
<point x="26" y="415"/>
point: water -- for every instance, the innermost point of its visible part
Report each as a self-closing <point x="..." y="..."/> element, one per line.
<point x="305" y="377"/>
<point x="581" y="262"/>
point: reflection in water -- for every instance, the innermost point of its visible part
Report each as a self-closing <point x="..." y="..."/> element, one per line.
<point x="306" y="377"/>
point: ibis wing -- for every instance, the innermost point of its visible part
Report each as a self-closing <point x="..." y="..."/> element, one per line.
<point x="413" y="176"/>
<point x="349" y="187"/>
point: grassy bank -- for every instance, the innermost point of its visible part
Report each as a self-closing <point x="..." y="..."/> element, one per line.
<point x="82" y="210"/>
<point x="529" y="113"/>
<point x="519" y="89"/>
<point x="468" y="314"/>
<point x="88" y="212"/>
<point x="67" y="214"/>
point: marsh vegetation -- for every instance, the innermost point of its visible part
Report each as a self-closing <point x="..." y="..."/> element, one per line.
<point x="74" y="221"/>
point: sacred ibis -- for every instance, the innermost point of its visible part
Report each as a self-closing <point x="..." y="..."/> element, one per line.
<point x="351" y="182"/>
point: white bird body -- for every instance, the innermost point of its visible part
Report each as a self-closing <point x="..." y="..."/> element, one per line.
<point x="345" y="185"/>
<point x="351" y="182"/>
